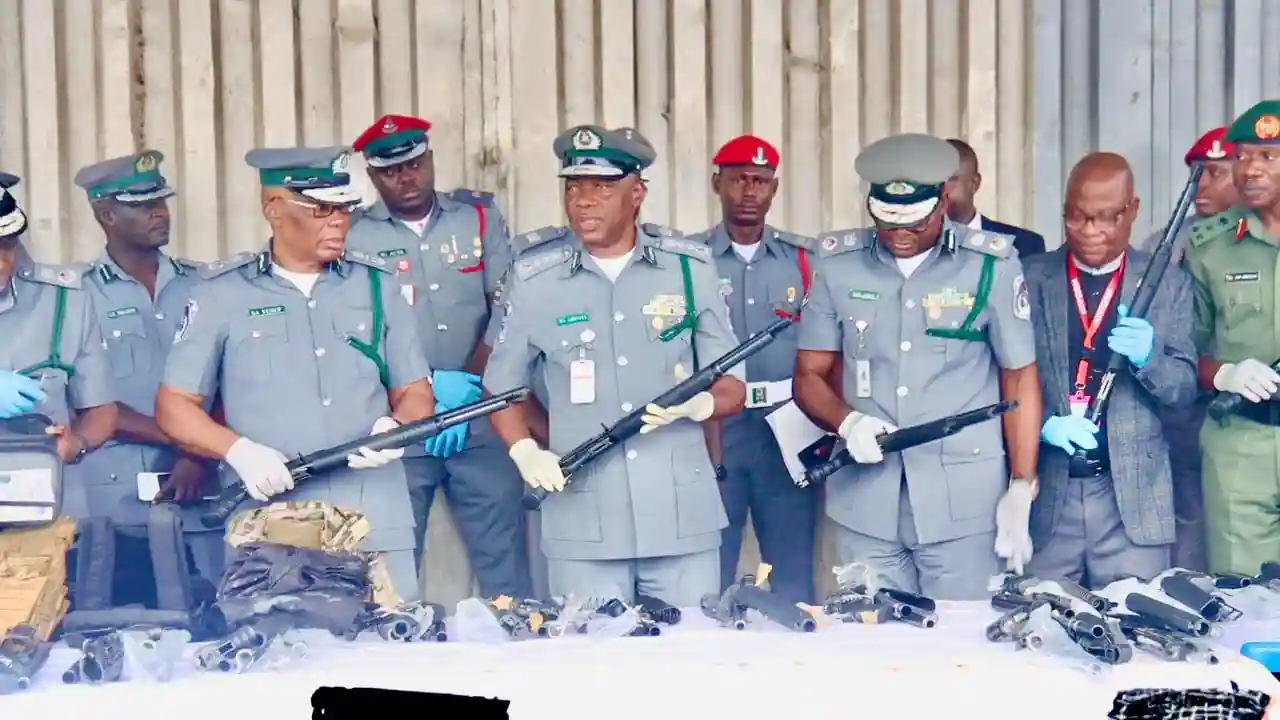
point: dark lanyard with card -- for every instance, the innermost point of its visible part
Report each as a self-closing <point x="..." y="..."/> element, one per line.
<point x="1092" y="325"/>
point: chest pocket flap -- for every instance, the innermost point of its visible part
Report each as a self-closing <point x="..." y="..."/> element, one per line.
<point x="124" y="330"/>
<point x="259" y="347"/>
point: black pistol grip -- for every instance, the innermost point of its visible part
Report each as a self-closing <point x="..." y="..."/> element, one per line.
<point x="221" y="507"/>
<point x="820" y="472"/>
<point x="532" y="500"/>
<point x="1224" y="405"/>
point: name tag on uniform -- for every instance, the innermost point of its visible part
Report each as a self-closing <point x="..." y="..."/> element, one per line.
<point x="862" y="378"/>
<point x="582" y="382"/>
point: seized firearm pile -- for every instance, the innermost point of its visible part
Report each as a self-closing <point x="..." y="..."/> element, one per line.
<point x="858" y="600"/>
<point x="738" y="606"/>
<point x="527" y="619"/>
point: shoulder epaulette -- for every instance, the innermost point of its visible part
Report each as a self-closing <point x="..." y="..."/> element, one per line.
<point x="987" y="243"/>
<point x="684" y="246"/>
<point x="843" y="241"/>
<point x="798" y="241"/>
<point x="185" y="264"/>
<point x="660" y="231"/>
<point x="1206" y="229"/>
<point x="222" y="267"/>
<point x="527" y="241"/>
<point x="703" y="237"/>
<point x="67" y="276"/>
<point x="543" y="261"/>
<point x="360" y="257"/>
<point x="474" y="198"/>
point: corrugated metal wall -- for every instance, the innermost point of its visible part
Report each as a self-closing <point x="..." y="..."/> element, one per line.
<point x="1143" y="78"/>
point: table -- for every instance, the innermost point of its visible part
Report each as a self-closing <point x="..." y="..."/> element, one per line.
<point x="693" y="670"/>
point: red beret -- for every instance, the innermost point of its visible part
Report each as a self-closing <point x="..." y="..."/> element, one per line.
<point x="747" y="150"/>
<point x="393" y="139"/>
<point x="1212" y="145"/>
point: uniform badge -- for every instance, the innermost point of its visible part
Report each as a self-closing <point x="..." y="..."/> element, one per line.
<point x="998" y="243"/>
<point x="726" y="287"/>
<point x="1215" y="151"/>
<point x="1267" y="127"/>
<point x="759" y="158"/>
<point x="340" y="163"/>
<point x="829" y="243"/>
<point x="506" y="316"/>
<point x="976" y="239"/>
<point x="791" y="294"/>
<point x="680" y="372"/>
<point x="850" y="240"/>
<point x="1242" y="229"/>
<point x="146" y="163"/>
<point x="477" y="247"/>
<point x="188" y="317"/>
<point x="1021" y="298"/>
<point x="932" y="306"/>
<point x="899" y="188"/>
<point x="388" y="127"/>
<point x="586" y="139"/>
<point x="402" y="266"/>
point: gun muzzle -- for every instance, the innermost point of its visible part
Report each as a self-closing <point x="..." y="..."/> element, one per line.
<point x="905" y="612"/>
<point x="1231" y="581"/>
<point x="1075" y="590"/>
<point x="1083" y="624"/>
<point x="1182" y="588"/>
<point x="1107" y="651"/>
<point x="1017" y="584"/>
<point x="1269" y="572"/>
<point x="397" y="629"/>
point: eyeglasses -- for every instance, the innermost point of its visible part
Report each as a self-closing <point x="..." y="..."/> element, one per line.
<point x="324" y="210"/>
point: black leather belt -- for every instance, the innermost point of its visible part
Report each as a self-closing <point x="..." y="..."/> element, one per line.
<point x="1265" y="413"/>
<point x="1088" y="468"/>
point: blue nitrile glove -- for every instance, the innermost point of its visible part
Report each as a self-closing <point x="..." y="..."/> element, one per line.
<point x="1069" y="433"/>
<point x="454" y="388"/>
<point x="449" y="442"/>
<point x="1133" y="338"/>
<point x="19" y="394"/>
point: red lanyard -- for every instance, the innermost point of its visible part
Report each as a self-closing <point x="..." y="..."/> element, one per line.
<point x="1091" y="325"/>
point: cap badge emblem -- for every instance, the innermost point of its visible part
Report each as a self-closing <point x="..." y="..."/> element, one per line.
<point x="586" y="139"/>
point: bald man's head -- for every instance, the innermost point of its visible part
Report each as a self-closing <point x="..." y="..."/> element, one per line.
<point x="964" y="185"/>
<point x="1100" y="208"/>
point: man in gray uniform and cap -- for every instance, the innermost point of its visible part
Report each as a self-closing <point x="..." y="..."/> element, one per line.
<point x="933" y="319"/>
<point x="310" y="347"/>
<point x="611" y="321"/>
<point x="54" y="358"/>
<point x="449" y="252"/>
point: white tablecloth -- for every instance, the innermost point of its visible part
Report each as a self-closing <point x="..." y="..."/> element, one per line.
<point x="693" y="670"/>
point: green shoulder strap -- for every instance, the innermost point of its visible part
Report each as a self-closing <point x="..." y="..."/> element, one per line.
<point x="54" y="361"/>
<point x="966" y="331"/>
<point x="370" y="349"/>
<point x="690" y="320"/>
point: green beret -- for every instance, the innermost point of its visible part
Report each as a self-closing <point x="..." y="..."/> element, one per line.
<point x="318" y="173"/>
<point x="126" y="179"/>
<point x="906" y="174"/>
<point x="1258" y="124"/>
<point x="593" y="151"/>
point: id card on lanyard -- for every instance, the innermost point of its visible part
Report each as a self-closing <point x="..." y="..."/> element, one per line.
<point x="1092" y="325"/>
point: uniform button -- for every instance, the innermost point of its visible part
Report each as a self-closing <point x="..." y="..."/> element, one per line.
<point x="115" y="333"/>
<point x="159" y="316"/>
<point x="977" y="451"/>
<point x="256" y="334"/>
<point x="626" y="407"/>
<point x="619" y="317"/>
<point x="631" y="454"/>
<point x="911" y="304"/>
<point x="622" y="361"/>
<point x="113" y="477"/>
<point x="360" y="327"/>
<point x="751" y="301"/>
<point x="311" y="304"/>
<point x="325" y="402"/>
<point x="319" y="352"/>
<point x="442" y="327"/>
<point x="433" y="286"/>
<point x="906" y="345"/>
<point x="902" y="392"/>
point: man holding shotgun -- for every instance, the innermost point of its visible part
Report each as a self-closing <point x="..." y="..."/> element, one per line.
<point x="1105" y="508"/>
<point x="612" y="319"/>
<point x="311" y="347"/>
<point x="1233" y="258"/>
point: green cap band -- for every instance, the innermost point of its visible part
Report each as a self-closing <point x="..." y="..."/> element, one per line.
<point x="305" y="177"/>
<point x="150" y="178"/>
<point x="394" y="140"/>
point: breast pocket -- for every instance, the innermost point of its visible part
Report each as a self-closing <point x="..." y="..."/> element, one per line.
<point x="946" y="332"/>
<point x="1242" y="299"/>
<point x="126" y="345"/>
<point x="356" y="325"/>
<point x="259" y="350"/>
<point x="858" y="321"/>
<point x="671" y="340"/>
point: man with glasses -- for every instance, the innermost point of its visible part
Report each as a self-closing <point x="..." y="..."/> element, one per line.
<point x="448" y="253"/>
<point x="310" y="346"/>
<point x="1105" y="508"/>
<point x="932" y="319"/>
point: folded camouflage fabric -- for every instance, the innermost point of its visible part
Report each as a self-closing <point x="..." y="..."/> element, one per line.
<point x="324" y="590"/>
<point x="1162" y="704"/>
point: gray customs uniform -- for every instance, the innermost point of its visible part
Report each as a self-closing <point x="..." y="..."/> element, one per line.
<point x="916" y="349"/>
<point x="758" y="292"/>
<point x="290" y="380"/>
<point x="51" y="331"/>
<point x="649" y="513"/>
<point x="446" y="276"/>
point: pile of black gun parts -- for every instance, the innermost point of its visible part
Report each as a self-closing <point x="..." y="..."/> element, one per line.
<point x="528" y="619"/>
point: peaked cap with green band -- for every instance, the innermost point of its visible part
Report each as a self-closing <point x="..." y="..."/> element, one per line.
<point x="1259" y="125"/>
<point x="126" y="179"/>
<point x="317" y="173"/>
<point x="906" y="174"/>
<point x="593" y="151"/>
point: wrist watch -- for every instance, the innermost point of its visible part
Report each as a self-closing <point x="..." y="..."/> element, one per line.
<point x="82" y="448"/>
<point x="721" y="473"/>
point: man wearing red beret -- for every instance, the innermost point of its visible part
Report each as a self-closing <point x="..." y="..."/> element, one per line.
<point x="1215" y="193"/>
<point x="449" y="251"/>
<point x="763" y="275"/>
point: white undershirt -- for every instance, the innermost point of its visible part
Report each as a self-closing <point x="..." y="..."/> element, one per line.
<point x="303" y="281"/>
<point x="975" y="223"/>
<point x="417" y="226"/>
<point x="1105" y="269"/>
<point x="745" y="252"/>
<point x="612" y="267"/>
<point x="909" y="265"/>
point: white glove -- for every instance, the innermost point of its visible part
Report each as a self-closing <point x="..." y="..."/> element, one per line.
<point x="697" y="408"/>
<point x="1250" y="378"/>
<point x="261" y="469"/>
<point x="364" y="458"/>
<point x="539" y="468"/>
<point x="1013" y="524"/>
<point x="861" y="434"/>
